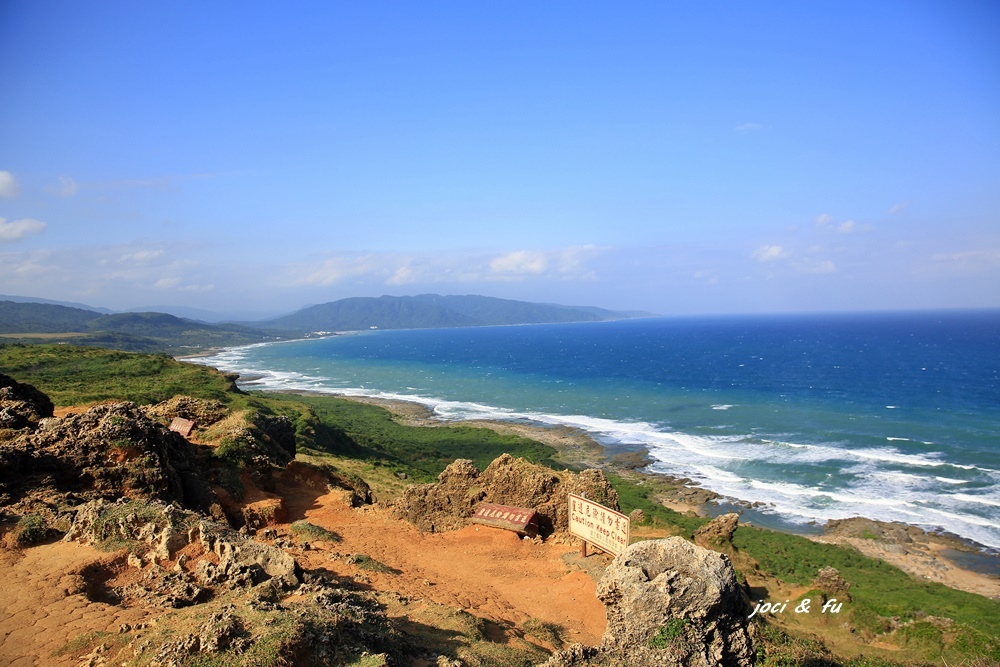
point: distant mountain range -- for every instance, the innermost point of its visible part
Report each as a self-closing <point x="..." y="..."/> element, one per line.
<point x="24" y="320"/>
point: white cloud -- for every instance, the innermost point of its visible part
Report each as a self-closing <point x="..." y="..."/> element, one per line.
<point x="18" y="229"/>
<point x="141" y="256"/>
<point x="335" y="269"/>
<point x="770" y="253"/>
<point x="175" y="283"/>
<point x="823" y="220"/>
<point x="969" y="258"/>
<point x="826" y="222"/>
<point x="896" y="209"/>
<point x="818" y="266"/>
<point x="748" y="127"/>
<point x="167" y="283"/>
<point x="572" y="261"/>
<point x="67" y="186"/>
<point x="403" y="275"/>
<point x="519" y="263"/>
<point x="8" y="186"/>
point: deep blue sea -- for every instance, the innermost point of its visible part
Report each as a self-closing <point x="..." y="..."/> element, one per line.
<point x="889" y="416"/>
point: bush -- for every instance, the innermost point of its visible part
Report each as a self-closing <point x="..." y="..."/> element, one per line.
<point x="311" y="531"/>
<point x="31" y="529"/>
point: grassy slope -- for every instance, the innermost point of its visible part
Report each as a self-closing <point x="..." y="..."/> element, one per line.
<point x="81" y="375"/>
<point x="365" y="438"/>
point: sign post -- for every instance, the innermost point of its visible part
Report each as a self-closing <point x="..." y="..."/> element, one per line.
<point x="601" y="526"/>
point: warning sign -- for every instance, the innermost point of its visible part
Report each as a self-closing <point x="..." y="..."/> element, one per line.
<point x="518" y="519"/>
<point x="598" y="525"/>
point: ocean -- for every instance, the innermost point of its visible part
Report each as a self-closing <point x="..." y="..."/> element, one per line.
<point x="894" y="417"/>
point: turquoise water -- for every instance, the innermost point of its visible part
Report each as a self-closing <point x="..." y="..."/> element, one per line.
<point x="894" y="417"/>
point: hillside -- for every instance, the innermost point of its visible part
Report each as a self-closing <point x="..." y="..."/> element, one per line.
<point x="145" y="332"/>
<point x="431" y="311"/>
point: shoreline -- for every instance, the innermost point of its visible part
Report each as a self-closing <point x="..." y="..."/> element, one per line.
<point x="920" y="553"/>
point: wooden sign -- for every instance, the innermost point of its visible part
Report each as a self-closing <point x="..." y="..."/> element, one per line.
<point x="182" y="426"/>
<point x="599" y="525"/>
<point x="518" y="519"/>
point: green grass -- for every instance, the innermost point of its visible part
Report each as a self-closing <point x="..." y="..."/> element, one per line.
<point x="632" y="496"/>
<point x="306" y="530"/>
<point x="73" y="375"/>
<point x="31" y="529"/>
<point x="666" y="634"/>
<point x="368" y="432"/>
<point x="876" y="586"/>
<point x="364" y="562"/>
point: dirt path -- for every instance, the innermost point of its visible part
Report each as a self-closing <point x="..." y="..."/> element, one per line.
<point x="490" y="573"/>
<point x="44" y="605"/>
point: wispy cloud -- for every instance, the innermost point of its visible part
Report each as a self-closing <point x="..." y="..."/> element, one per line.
<point x="66" y="187"/>
<point x="573" y="261"/>
<point x="770" y="253"/>
<point x="744" y="128"/>
<point x="818" y="266"/>
<point x="8" y="186"/>
<point x="454" y="267"/>
<point x="519" y="263"/>
<point x="896" y="209"/>
<point x="18" y="229"/>
<point x="826" y="222"/>
<point x="142" y="256"/>
<point x="332" y="270"/>
<point x="985" y="259"/>
<point x="176" y="284"/>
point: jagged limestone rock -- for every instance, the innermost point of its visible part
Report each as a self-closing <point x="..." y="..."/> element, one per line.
<point x="460" y="488"/>
<point x="22" y="406"/>
<point x="669" y="603"/>
<point x="718" y="533"/>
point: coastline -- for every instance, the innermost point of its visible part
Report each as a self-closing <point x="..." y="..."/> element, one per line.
<point x="922" y="554"/>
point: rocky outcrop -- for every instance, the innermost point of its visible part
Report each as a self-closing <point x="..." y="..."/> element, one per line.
<point x="460" y="488"/>
<point x="21" y="405"/>
<point x="164" y="530"/>
<point x="201" y="411"/>
<point x="669" y="602"/>
<point x="859" y="527"/>
<point x="109" y="451"/>
<point x="717" y="534"/>
<point x="832" y="585"/>
<point x="325" y="477"/>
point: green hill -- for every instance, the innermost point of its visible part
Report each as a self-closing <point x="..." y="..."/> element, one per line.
<point x="145" y="332"/>
<point x="431" y="311"/>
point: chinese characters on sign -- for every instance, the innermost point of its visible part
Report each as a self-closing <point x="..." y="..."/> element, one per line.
<point x="518" y="519"/>
<point x="598" y="525"/>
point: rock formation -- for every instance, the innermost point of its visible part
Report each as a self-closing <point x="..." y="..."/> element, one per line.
<point x="717" y="534"/>
<point x="108" y="451"/>
<point x="21" y="405"/>
<point x="669" y="602"/>
<point x="461" y="488"/>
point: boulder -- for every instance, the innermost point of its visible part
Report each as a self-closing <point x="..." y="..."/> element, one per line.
<point x="21" y="405"/>
<point x="670" y="602"/>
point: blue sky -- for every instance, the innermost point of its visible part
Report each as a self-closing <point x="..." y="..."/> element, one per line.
<point x="677" y="157"/>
